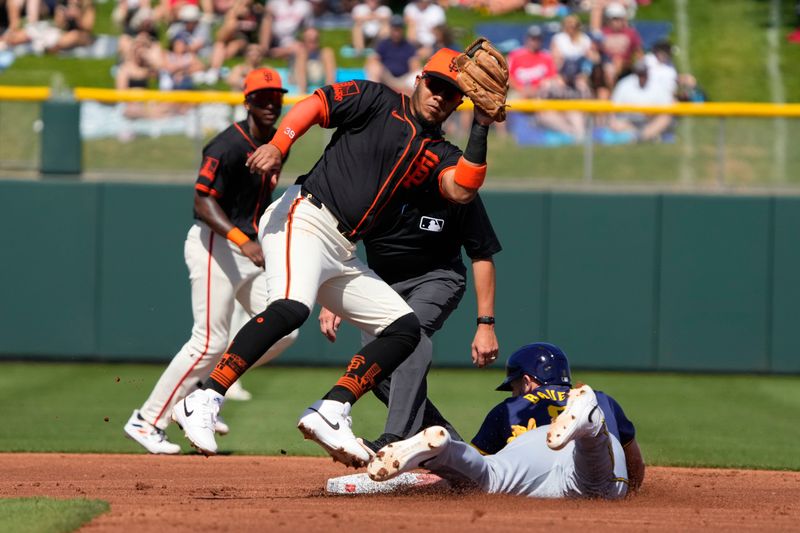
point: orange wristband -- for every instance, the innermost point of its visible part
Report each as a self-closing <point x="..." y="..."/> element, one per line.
<point x="237" y="236"/>
<point x="469" y="175"/>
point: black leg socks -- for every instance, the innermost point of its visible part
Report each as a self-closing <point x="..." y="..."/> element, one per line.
<point x="377" y="359"/>
<point x="279" y="319"/>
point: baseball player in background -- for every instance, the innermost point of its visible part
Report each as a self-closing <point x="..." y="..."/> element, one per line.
<point x="386" y="146"/>
<point x="418" y="251"/>
<point x="225" y="261"/>
<point x="549" y="440"/>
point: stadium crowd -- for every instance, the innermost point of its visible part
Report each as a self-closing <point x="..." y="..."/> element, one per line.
<point x="187" y="44"/>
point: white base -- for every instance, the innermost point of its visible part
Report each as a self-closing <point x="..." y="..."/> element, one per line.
<point x="362" y="484"/>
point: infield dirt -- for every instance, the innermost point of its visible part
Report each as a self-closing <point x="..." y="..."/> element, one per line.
<point x="254" y="493"/>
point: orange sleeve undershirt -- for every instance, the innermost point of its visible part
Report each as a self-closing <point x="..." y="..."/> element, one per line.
<point x="298" y="120"/>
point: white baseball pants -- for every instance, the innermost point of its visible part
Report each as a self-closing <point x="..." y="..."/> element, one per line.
<point x="586" y="467"/>
<point x="308" y="260"/>
<point x="219" y="275"/>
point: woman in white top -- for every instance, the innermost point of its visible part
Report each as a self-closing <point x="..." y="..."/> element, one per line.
<point x="571" y="49"/>
<point x="570" y="44"/>
<point x="421" y="17"/>
<point x="370" y="23"/>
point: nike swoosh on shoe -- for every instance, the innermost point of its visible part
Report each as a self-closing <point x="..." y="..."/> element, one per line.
<point x="335" y="427"/>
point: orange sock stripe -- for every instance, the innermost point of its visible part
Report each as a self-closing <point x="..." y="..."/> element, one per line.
<point x="223" y="378"/>
<point x="229" y="369"/>
<point x="351" y="384"/>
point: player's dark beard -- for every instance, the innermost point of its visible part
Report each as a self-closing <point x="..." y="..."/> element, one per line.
<point x="426" y="124"/>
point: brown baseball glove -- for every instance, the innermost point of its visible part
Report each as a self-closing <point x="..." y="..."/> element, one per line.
<point x="483" y="76"/>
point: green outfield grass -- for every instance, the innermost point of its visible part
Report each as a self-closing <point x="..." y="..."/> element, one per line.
<point x="46" y="515"/>
<point x="686" y="420"/>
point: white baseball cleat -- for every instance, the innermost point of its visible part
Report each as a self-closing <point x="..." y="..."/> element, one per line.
<point x="404" y="455"/>
<point x="238" y="393"/>
<point x="197" y="416"/>
<point x="153" y="440"/>
<point x="221" y="427"/>
<point x="328" y="423"/>
<point x="581" y="418"/>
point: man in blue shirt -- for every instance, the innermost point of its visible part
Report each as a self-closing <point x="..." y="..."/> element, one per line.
<point x="395" y="62"/>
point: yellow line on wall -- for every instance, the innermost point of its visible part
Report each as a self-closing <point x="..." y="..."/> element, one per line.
<point x="714" y="109"/>
<point x="24" y="94"/>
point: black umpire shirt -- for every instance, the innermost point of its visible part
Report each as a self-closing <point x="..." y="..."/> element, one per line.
<point x="242" y="195"/>
<point x="425" y="233"/>
<point x="378" y="149"/>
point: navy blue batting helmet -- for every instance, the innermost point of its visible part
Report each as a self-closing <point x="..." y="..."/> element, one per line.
<point x="544" y="362"/>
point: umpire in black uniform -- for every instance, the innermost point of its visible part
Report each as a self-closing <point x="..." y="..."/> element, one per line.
<point x="418" y="252"/>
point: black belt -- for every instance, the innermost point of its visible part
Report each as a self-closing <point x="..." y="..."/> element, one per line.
<point x="313" y="200"/>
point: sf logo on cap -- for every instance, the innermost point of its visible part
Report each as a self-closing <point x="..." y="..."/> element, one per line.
<point x="453" y="65"/>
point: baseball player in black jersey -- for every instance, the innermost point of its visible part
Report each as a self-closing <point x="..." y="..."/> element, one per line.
<point x="418" y="251"/>
<point x="386" y="146"/>
<point x="225" y="261"/>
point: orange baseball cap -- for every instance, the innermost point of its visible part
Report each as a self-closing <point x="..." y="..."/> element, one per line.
<point x="442" y="65"/>
<point x="261" y="79"/>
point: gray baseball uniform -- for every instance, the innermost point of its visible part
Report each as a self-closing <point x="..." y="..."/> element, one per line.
<point x="418" y="251"/>
<point x="433" y="296"/>
<point x="586" y="467"/>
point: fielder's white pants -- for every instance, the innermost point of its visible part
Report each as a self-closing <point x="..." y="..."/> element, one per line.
<point x="220" y="275"/>
<point x="308" y="260"/>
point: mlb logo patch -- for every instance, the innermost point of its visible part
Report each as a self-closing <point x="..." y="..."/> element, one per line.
<point x="435" y="225"/>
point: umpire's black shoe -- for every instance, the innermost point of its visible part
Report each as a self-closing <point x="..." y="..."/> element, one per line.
<point x="380" y="442"/>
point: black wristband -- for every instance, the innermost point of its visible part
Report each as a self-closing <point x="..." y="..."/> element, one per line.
<point x="485" y="320"/>
<point x="475" y="152"/>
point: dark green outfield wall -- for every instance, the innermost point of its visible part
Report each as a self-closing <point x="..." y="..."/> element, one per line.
<point x="639" y="281"/>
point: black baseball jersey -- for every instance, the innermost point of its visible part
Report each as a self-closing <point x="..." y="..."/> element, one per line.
<point x="424" y="232"/>
<point x="242" y="195"/>
<point x="377" y="150"/>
